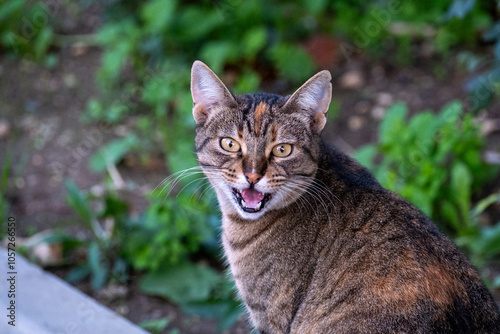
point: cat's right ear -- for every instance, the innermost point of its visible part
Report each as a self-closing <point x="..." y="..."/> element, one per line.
<point x="208" y="91"/>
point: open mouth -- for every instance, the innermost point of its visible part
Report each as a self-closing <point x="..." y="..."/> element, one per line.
<point x="251" y="200"/>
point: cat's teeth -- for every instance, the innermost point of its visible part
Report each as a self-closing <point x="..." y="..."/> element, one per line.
<point x="257" y="207"/>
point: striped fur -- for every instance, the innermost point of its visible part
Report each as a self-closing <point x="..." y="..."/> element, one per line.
<point x="331" y="251"/>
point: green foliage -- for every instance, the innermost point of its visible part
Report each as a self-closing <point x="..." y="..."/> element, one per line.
<point x="155" y="326"/>
<point x="181" y="283"/>
<point x="401" y="25"/>
<point x="483" y="242"/>
<point x="25" y="28"/>
<point x="113" y="152"/>
<point x="167" y="233"/>
<point x="432" y="160"/>
<point x="170" y="230"/>
<point x="100" y="256"/>
<point x="4" y="176"/>
<point x="484" y="87"/>
<point x="198" y="289"/>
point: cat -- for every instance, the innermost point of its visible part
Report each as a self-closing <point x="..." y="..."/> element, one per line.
<point x="314" y="243"/>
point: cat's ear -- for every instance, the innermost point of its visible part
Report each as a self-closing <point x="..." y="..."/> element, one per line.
<point x="314" y="97"/>
<point x="208" y="91"/>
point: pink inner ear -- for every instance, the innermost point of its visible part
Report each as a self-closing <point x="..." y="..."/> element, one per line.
<point x="199" y="113"/>
<point x="319" y="121"/>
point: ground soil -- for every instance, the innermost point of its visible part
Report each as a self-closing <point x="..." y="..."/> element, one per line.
<point x="47" y="142"/>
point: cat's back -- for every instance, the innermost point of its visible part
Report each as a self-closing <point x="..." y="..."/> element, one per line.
<point x="387" y="268"/>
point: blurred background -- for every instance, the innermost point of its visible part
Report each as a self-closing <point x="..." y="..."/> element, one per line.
<point x="96" y="129"/>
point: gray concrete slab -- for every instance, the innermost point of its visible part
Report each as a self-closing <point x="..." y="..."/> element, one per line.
<point x="45" y="304"/>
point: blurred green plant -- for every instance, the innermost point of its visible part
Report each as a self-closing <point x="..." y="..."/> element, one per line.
<point x="433" y="160"/>
<point x="102" y="257"/>
<point x="155" y="326"/>
<point x="4" y="177"/>
<point x="482" y="242"/>
<point x="197" y="289"/>
<point x="482" y="87"/>
<point x="403" y="26"/>
<point x="160" y="243"/>
<point x="26" y="29"/>
<point x="167" y="233"/>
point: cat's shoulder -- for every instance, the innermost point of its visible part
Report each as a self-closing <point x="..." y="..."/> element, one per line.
<point x="338" y="166"/>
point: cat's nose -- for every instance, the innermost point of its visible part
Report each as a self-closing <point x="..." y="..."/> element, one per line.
<point x="253" y="178"/>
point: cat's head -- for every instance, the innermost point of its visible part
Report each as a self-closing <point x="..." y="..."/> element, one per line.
<point x="259" y="151"/>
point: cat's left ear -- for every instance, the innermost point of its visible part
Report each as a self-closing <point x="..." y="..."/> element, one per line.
<point x="314" y="97"/>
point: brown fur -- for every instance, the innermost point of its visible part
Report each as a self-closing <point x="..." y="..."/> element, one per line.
<point x="330" y="251"/>
<point x="259" y="111"/>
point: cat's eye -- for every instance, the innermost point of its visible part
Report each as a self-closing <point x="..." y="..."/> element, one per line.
<point x="282" y="150"/>
<point x="229" y="144"/>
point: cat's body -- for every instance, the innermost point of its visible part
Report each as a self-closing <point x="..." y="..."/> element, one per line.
<point x="314" y="243"/>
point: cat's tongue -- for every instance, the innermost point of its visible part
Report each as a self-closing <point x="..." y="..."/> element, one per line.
<point x="252" y="198"/>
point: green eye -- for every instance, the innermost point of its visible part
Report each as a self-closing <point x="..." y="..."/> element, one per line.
<point x="282" y="150"/>
<point x="229" y="144"/>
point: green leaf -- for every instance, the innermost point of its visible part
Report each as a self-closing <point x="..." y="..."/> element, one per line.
<point x="112" y="153"/>
<point x="78" y="201"/>
<point x="182" y="283"/>
<point x="461" y="181"/>
<point x="422" y="128"/>
<point x="481" y="90"/>
<point x="451" y="113"/>
<point x="484" y="203"/>
<point x="292" y="62"/>
<point x="450" y="214"/>
<point x="11" y="8"/>
<point x="179" y="160"/>
<point x="4" y="173"/>
<point x="114" y="207"/>
<point x="316" y="6"/>
<point x="155" y="325"/>
<point x="42" y="42"/>
<point x="496" y="282"/>
<point x="227" y="311"/>
<point x="157" y="14"/>
<point x="459" y="9"/>
<point x="493" y="33"/>
<point x="490" y="241"/>
<point x="77" y="274"/>
<point x="249" y="82"/>
<point x="99" y="272"/>
<point x="218" y="53"/>
<point x="365" y="155"/>
<point x="254" y="40"/>
<point x="392" y="124"/>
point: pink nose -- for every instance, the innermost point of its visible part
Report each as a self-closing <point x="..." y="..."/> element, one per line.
<point x="253" y="177"/>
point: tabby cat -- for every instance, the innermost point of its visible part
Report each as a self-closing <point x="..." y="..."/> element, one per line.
<point x="314" y="243"/>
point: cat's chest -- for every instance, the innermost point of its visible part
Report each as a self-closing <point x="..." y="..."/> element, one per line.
<point x="272" y="266"/>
